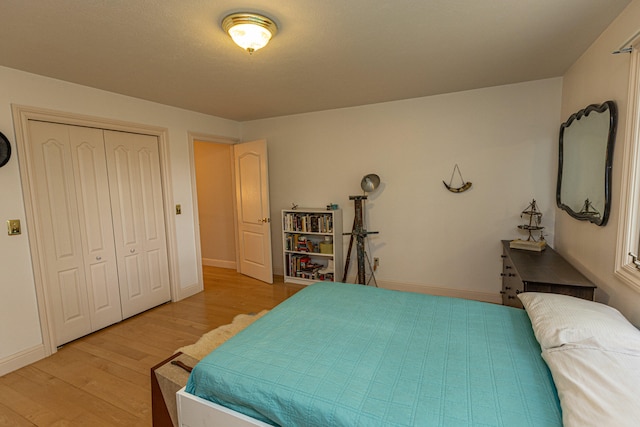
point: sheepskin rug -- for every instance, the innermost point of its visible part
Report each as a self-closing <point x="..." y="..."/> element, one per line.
<point x="214" y="338"/>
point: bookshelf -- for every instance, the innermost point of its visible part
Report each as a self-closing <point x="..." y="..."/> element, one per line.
<point x="312" y="245"/>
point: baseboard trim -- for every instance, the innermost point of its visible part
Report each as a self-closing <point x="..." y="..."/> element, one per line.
<point x="22" y="359"/>
<point x="436" y="290"/>
<point x="219" y="263"/>
<point x="188" y="291"/>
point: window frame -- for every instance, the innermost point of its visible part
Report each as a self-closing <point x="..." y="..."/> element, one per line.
<point x="627" y="266"/>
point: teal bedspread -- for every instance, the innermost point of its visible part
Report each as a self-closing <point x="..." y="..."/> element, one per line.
<point x="349" y="355"/>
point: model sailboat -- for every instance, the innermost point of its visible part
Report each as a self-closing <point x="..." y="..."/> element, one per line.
<point x="588" y="210"/>
<point x="531" y="226"/>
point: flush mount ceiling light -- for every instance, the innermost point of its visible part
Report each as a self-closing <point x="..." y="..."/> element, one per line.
<point x="250" y="31"/>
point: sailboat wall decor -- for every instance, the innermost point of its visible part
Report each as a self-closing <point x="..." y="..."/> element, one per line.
<point x="531" y="226"/>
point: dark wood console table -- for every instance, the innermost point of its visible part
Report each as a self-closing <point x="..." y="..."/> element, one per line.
<point x="545" y="271"/>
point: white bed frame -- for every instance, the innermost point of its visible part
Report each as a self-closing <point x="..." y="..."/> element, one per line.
<point x="194" y="411"/>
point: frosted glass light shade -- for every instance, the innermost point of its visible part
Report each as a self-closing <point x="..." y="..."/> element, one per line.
<point x="249" y="31"/>
<point x="249" y="36"/>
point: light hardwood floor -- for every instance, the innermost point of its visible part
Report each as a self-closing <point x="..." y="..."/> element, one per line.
<point x="103" y="379"/>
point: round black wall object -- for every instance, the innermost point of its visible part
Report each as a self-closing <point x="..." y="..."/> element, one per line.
<point x="5" y="150"/>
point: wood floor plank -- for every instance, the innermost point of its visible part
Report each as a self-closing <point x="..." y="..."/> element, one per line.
<point x="105" y="349"/>
<point x="128" y="344"/>
<point x="71" y="360"/>
<point x="9" y="418"/>
<point x="15" y="406"/>
<point x="68" y="404"/>
<point x="103" y="379"/>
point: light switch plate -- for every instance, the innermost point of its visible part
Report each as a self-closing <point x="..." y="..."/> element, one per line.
<point x="13" y="227"/>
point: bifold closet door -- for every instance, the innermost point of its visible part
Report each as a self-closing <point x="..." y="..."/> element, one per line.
<point x="74" y="227"/>
<point x="133" y="166"/>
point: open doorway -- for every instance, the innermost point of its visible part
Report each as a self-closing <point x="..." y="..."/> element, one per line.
<point x="214" y="182"/>
<point x="230" y="182"/>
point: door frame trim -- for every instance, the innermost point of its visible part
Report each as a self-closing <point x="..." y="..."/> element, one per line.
<point x="203" y="137"/>
<point x="21" y="116"/>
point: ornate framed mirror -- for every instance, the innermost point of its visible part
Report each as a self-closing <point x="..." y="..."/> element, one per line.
<point x="584" y="162"/>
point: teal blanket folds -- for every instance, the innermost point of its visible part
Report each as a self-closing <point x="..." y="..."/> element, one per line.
<point x="339" y="354"/>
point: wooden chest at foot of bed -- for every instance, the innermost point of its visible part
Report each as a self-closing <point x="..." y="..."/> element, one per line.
<point x="166" y="379"/>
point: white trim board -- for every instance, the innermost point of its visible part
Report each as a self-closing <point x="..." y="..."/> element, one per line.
<point x="21" y="359"/>
<point x="219" y="263"/>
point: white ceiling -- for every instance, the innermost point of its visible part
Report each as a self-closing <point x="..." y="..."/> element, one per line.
<point x="327" y="54"/>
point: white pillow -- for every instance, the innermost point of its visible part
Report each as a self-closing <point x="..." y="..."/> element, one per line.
<point x="560" y="319"/>
<point x="596" y="387"/>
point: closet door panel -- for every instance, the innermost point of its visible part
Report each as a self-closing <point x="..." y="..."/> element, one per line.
<point x="127" y="218"/>
<point x="154" y="232"/>
<point x="58" y="230"/>
<point x="134" y="277"/>
<point x="123" y="193"/>
<point x="58" y="194"/>
<point x="151" y="197"/>
<point x="96" y="226"/>
<point x="102" y="295"/>
<point x="72" y="305"/>
<point x="155" y="265"/>
<point x="136" y="193"/>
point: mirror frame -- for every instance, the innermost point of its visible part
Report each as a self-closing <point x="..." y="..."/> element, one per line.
<point x="613" y="123"/>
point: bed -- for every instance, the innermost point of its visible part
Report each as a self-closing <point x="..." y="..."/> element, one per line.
<point x="339" y="354"/>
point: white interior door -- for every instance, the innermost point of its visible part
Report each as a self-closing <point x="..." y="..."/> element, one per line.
<point x="133" y="164"/>
<point x="252" y="207"/>
<point x="74" y="228"/>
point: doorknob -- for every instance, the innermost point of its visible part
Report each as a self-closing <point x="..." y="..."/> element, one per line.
<point x="265" y="220"/>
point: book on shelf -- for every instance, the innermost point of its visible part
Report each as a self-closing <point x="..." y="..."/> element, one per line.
<point x="308" y="222"/>
<point x="305" y="267"/>
<point x="304" y="244"/>
<point x="311" y="244"/>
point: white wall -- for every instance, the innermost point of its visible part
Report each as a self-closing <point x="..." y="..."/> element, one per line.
<point x="596" y="77"/>
<point x="502" y="138"/>
<point x="19" y="323"/>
